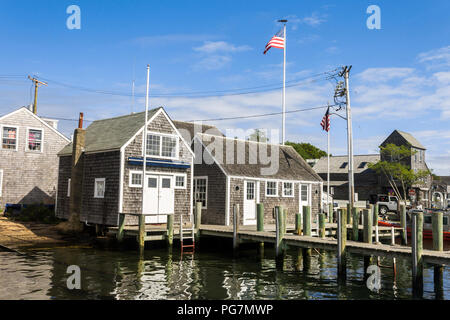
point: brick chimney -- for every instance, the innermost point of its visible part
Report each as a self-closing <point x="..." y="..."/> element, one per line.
<point x="76" y="177"/>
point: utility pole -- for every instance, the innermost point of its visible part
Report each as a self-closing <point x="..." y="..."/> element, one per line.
<point x="36" y="83"/>
<point x="351" y="182"/>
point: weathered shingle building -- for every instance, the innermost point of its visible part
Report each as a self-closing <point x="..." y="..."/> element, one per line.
<point x="28" y="161"/>
<point x="102" y="171"/>
<point x="230" y="171"/>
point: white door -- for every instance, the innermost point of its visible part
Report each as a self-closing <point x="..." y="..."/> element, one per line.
<point x="159" y="198"/>
<point x="305" y="196"/>
<point x="250" y="198"/>
<point x="166" y="197"/>
<point x="151" y="198"/>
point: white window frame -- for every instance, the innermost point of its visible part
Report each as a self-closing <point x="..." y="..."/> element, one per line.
<point x="276" y="189"/>
<point x="184" y="176"/>
<point x="17" y="137"/>
<point x="206" y="191"/>
<point x="1" y="182"/>
<point x="130" y="179"/>
<point x="160" y="135"/>
<point x="292" y="189"/>
<point x="95" y="187"/>
<point x="28" y="136"/>
<point x="68" y="187"/>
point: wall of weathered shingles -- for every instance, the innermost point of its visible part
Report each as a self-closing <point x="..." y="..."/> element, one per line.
<point x="62" y="207"/>
<point x="132" y="196"/>
<point x="291" y="204"/>
<point x="216" y="193"/>
<point x="101" y="210"/>
<point x="30" y="177"/>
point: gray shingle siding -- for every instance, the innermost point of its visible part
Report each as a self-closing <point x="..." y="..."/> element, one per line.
<point x="64" y="172"/>
<point x="30" y="177"/>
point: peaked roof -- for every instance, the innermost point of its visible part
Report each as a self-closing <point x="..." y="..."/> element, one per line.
<point x="42" y="120"/>
<point x="291" y="166"/>
<point x="194" y="128"/>
<point x="339" y="164"/>
<point x="408" y="138"/>
<point x="112" y="133"/>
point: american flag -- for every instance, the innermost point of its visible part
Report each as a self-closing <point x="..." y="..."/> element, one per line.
<point x="277" y="41"/>
<point x="326" y="121"/>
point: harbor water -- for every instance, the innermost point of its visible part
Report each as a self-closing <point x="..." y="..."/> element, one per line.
<point x="208" y="274"/>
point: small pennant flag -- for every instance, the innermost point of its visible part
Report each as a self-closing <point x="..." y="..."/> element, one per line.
<point x="277" y="41"/>
<point x="326" y="121"/>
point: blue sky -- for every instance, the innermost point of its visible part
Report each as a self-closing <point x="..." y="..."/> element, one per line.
<point x="399" y="80"/>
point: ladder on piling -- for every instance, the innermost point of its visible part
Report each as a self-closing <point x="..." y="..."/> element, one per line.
<point x="187" y="238"/>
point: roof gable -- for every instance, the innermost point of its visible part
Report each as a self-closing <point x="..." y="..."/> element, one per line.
<point x="339" y="164"/>
<point x="406" y="137"/>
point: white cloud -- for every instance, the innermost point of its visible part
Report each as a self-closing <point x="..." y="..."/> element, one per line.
<point x="437" y="58"/>
<point x="383" y="74"/>
<point x="213" y="62"/>
<point x="220" y="46"/>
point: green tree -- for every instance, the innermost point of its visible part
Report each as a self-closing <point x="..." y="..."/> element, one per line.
<point x="397" y="170"/>
<point x="258" y="136"/>
<point x="307" y="150"/>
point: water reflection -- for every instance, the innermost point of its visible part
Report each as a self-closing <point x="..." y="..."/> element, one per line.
<point x="162" y="274"/>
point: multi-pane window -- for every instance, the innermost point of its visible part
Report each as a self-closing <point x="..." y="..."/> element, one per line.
<point x="99" y="190"/>
<point x="304" y="192"/>
<point x="200" y="190"/>
<point x="288" y="189"/>
<point x="34" y="142"/>
<point x="9" y="140"/>
<point x="135" y="179"/>
<point x="250" y="190"/>
<point x="271" y="188"/>
<point x="153" y="145"/>
<point x="169" y="147"/>
<point x="180" y="181"/>
<point x="162" y="146"/>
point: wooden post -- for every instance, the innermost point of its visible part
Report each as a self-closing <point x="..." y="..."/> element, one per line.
<point x="438" y="231"/>
<point x="170" y="229"/>
<point x="321" y="225"/>
<point x="403" y="223"/>
<point x="374" y="210"/>
<point x="349" y="214"/>
<point x="298" y="223"/>
<point x="141" y="236"/>
<point x="285" y="213"/>
<point x="377" y="241"/>
<point x="306" y="220"/>
<point x="120" y="231"/>
<point x="279" y="250"/>
<point x="342" y="240"/>
<point x="197" y="220"/>
<point x="368" y="224"/>
<point x="235" y="226"/>
<point x="392" y="236"/>
<point x="417" y="247"/>
<point x="355" y="214"/>
<point x="330" y="213"/>
<point x="438" y="245"/>
<point x="260" y="224"/>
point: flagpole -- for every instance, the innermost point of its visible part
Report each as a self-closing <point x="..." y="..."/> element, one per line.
<point x="144" y="140"/>
<point x="284" y="87"/>
<point x="328" y="172"/>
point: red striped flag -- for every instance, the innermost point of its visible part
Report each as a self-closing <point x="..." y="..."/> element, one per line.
<point x="277" y="41"/>
<point x="326" y="121"/>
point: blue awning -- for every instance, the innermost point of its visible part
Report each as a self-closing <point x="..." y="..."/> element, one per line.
<point x="159" y="163"/>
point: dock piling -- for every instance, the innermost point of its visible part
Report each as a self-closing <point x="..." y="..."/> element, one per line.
<point x="330" y="213"/>
<point x="306" y="220"/>
<point x="438" y="245"/>
<point x="355" y="229"/>
<point x="260" y="224"/>
<point x="321" y="225"/>
<point x="120" y="231"/>
<point x="417" y="248"/>
<point x="368" y="224"/>
<point x="392" y="236"/>
<point x="342" y="239"/>
<point x="349" y="214"/>
<point x="279" y="250"/>
<point x="403" y="224"/>
<point x="197" y="220"/>
<point x="298" y="223"/>
<point x="170" y="230"/>
<point x="235" y="226"/>
<point x="141" y="236"/>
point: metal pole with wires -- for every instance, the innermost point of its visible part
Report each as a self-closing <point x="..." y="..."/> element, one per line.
<point x="144" y="140"/>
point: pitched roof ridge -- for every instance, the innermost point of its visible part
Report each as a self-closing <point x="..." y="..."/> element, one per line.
<point x="126" y="115"/>
<point x="243" y="140"/>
